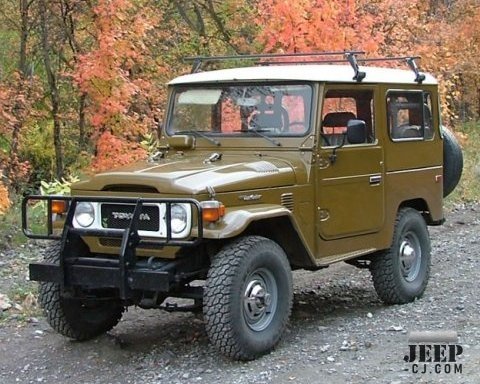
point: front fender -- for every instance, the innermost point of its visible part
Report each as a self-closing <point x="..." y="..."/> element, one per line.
<point x="273" y="221"/>
<point x="237" y="219"/>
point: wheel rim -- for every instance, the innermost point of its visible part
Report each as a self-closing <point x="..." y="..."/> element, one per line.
<point x="410" y="256"/>
<point x="260" y="299"/>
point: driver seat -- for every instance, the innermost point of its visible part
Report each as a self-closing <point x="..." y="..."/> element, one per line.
<point x="270" y="116"/>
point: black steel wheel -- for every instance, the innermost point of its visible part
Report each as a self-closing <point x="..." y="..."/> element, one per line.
<point x="248" y="297"/>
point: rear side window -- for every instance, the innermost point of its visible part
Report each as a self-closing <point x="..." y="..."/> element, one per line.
<point x="409" y="115"/>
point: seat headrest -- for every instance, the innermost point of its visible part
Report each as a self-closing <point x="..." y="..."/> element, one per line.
<point x="337" y="119"/>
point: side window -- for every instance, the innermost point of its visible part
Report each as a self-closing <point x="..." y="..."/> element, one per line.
<point x="339" y="107"/>
<point x="409" y="115"/>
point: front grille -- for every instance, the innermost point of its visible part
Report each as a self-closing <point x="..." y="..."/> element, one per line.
<point x="119" y="216"/>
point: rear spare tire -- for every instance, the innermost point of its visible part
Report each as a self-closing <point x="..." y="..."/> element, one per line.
<point x="452" y="162"/>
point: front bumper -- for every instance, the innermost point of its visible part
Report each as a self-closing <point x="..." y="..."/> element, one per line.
<point x="98" y="276"/>
<point x="127" y="273"/>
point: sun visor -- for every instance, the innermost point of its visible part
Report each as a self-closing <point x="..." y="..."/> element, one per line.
<point x="200" y="96"/>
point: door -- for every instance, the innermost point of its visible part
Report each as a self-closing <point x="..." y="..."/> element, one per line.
<point x="350" y="177"/>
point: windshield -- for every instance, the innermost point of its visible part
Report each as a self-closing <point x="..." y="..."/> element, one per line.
<point x="241" y="110"/>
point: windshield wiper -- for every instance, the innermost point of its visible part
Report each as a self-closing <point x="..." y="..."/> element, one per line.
<point x="258" y="133"/>
<point x="199" y="134"/>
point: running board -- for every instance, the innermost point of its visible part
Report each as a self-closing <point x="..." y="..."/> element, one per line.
<point x="326" y="261"/>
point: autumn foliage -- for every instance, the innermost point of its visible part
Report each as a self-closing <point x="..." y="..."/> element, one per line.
<point x="16" y="101"/>
<point x="4" y="200"/>
<point x="113" y="151"/>
<point x="111" y="73"/>
<point x="315" y="25"/>
<point x="443" y="33"/>
<point x="89" y="75"/>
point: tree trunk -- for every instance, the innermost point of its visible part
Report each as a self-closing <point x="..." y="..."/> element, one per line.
<point x="22" y="60"/>
<point x="53" y="89"/>
<point x="69" y="29"/>
<point x="82" y="134"/>
<point x="19" y="105"/>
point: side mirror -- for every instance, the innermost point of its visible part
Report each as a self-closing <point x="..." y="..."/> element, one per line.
<point x="356" y="131"/>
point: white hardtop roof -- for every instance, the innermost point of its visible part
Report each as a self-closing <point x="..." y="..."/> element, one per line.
<point x="304" y="72"/>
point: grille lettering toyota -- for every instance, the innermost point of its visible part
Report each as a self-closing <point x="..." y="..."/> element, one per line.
<point x="129" y="215"/>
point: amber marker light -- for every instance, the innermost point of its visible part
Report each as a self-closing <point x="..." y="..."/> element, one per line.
<point x="212" y="210"/>
<point x="59" y="206"/>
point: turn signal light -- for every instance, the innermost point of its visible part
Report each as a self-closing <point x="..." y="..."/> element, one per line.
<point x="59" y="206"/>
<point x="212" y="210"/>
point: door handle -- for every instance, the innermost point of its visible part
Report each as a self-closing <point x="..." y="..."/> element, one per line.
<point x="375" y="180"/>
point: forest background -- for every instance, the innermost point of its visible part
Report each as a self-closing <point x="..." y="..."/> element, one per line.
<point x="82" y="82"/>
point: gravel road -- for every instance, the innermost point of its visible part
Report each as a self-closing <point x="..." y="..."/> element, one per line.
<point x="339" y="332"/>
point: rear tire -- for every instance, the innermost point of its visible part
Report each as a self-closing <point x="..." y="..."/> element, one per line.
<point x="75" y="318"/>
<point x="248" y="297"/>
<point x="400" y="274"/>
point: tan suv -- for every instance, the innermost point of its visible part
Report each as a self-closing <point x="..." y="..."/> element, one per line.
<point x="260" y="171"/>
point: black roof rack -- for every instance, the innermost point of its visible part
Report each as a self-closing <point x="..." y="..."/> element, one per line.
<point x="198" y="61"/>
<point x="347" y="56"/>
<point x="410" y="60"/>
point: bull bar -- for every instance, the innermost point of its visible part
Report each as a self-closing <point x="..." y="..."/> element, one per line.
<point x="125" y="273"/>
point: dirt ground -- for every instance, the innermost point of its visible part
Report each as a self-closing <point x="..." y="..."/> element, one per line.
<point x="340" y="332"/>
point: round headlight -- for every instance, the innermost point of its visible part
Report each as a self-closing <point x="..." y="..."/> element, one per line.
<point x="84" y="214"/>
<point x="178" y="216"/>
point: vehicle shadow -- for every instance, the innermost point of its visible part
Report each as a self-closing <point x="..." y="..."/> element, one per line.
<point x="318" y="299"/>
<point x="334" y="301"/>
<point x="173" y="334"/>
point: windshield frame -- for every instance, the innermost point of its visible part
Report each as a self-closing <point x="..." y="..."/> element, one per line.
<point x="310" y="104"/>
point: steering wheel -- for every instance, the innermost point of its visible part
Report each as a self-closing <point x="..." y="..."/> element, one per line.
<point x="405" y="131"/>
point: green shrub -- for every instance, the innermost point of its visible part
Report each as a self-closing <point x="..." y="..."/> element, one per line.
<point x="469" y="187"/>
<point x="58" y="187"/>
<point x="150" y="143"/>
<point x="37" y="147"/>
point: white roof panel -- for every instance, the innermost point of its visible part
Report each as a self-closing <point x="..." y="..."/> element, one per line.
<point x="305" y="72"/>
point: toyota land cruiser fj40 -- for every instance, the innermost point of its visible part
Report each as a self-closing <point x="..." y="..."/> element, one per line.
<point x="296" y="163"/>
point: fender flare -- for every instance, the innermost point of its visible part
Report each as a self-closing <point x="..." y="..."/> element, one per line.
<point x="241" y="220"/>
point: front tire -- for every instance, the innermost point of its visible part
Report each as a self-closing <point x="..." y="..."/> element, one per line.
<point x="72" y="317"/>
<point x="400" y="274"/>
<point x="248" y="297"/>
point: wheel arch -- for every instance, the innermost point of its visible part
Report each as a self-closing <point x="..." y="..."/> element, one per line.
<point x="282" y="230"/>
<point x="421" y="206"/>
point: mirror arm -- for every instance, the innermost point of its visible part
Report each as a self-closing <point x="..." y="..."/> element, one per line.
<point x="333" y="155"/>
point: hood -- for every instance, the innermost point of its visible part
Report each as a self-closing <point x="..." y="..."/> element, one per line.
<point x="192" y="175"/>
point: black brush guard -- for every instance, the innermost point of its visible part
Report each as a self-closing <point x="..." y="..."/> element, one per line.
<point x="125" y="273"/>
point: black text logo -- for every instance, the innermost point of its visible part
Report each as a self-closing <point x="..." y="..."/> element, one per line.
<point x="434" y="352"/>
